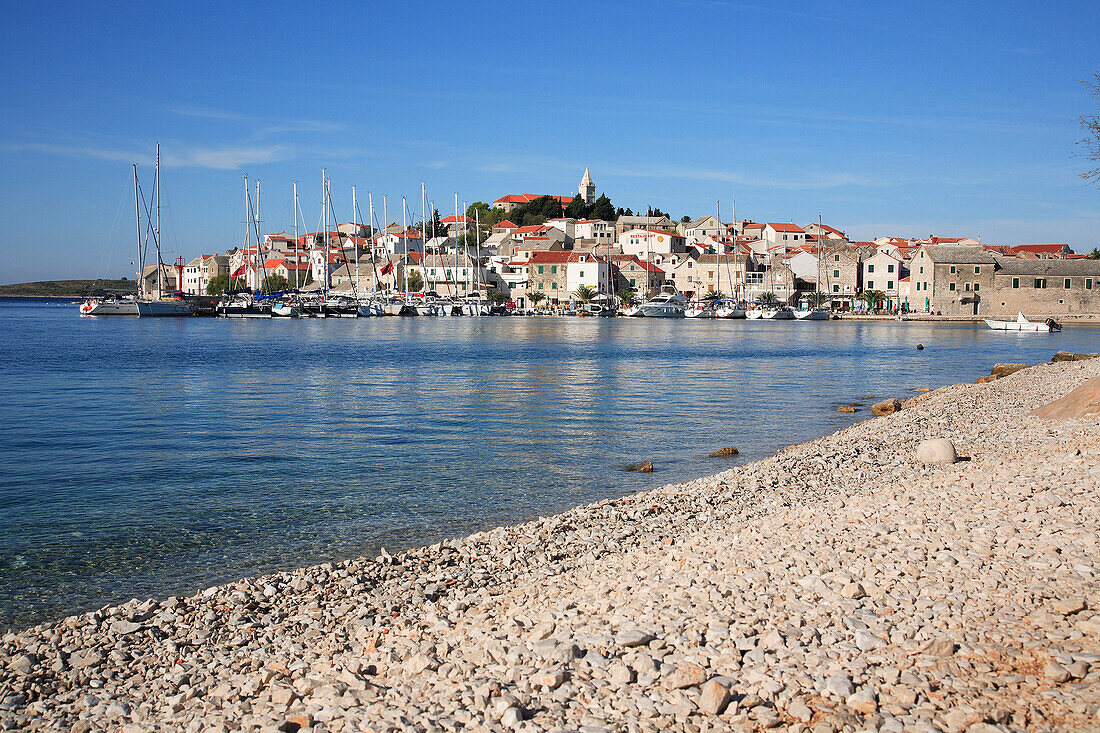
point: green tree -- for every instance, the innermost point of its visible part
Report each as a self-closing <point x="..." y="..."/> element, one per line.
<point x="767" y="297"/>
<point x="536" y="297"/>
<point x="654" y="212"/>
<point x="584" y="293"/>
<point x="685" y="219"/>
<point x="274" y="284"/>
<point x="414" y="282"/>
<point x="494" y="296"/>
<point x="577" y="208"/>
<point x="1094" y="254"/>
<point x="816" y="299"/>
<point x="625" y="295"/>
<point x="873" y="298"/>
<point x="602" y="209"/>
<point x="1091" y="125"/>
<point x="485" y="214"/>
<point x="218" y="284"/>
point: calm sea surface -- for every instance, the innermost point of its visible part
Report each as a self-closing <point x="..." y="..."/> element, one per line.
<point x="147" y="457"/>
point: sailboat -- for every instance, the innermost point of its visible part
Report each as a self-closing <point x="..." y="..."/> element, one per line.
<point x="124" y="305"/>
<point x="162" y="306"/>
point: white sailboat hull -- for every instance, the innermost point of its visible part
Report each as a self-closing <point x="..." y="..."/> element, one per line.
<point x="109" y="308"/>
<point x="812" y="315"/>
<point x="730" y="313"/>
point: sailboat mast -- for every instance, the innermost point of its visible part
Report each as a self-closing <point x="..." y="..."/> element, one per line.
<point x="160" y="267"/>
<point x="477" y="250"/>
<point x="386" y="218"/>
<point x="456" y="246"/>
<point x="355" y="237"/>
<point x="373" y="268"/>
<point x="297" y="283"/>
<point x="324" y="228"/>
<point x="137" y="223"/>
<point x="405" y="244"/>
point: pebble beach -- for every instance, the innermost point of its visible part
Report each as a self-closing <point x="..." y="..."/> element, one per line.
<point x="841" y="584"/>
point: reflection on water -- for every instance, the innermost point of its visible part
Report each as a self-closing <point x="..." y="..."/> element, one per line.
<point x="149" y="457"/>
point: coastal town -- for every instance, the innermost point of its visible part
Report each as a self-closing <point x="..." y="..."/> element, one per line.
<point x="558" y="253"/>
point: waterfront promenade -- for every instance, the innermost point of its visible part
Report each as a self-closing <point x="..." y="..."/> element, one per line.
<point x="837" y="585"/>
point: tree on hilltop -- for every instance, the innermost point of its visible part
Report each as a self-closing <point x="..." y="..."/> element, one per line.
<point x="602" y="209"/>
<point x="577" y="208"/>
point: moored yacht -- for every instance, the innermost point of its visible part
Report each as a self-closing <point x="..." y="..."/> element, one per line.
<point x="668" y="303"/>
<point x="109" y="306"/>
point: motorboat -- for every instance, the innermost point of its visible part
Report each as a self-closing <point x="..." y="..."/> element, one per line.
<point x="109" y="306"/>
<point x="1023" y="324"/>
<point x="814" y="314"/>
<point x="369" y="308"/>
<point x="668" y="303"/>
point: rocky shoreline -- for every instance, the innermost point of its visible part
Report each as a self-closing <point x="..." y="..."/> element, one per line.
<point x="839" y="585"/>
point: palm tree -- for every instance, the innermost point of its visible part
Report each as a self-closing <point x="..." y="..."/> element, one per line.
<point x="536" y="297"/>
<point x="816" y="299"/>
<point x="767" y="297"/>
<point x="584" y="293"/>
<point x="625" y="295"/>
<point x="494" y="296"/>
<point x="872" y="298"/>
<point x="414" y="281"/>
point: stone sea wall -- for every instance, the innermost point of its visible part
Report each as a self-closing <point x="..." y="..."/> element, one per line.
<point x="842" y="584"/>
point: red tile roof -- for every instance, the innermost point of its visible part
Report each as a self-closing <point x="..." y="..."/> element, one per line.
<point x="1037" y="248"/>
<point x="781" y="227"/>
<point x="506" y="224"/>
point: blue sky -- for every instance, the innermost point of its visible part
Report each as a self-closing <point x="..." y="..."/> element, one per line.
<point x="933" y="118"/>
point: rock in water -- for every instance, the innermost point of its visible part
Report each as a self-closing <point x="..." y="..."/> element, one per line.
<point x="936" y="450"/>
<point x="845" y="408"/>
<point x="886" y="407"/>
<point x="643" y="467"/>
<point x="1071" y="356"/>
<point x="920" y="347"/>
<point x="724" y="452"/>
<point x="1003" y="370"/>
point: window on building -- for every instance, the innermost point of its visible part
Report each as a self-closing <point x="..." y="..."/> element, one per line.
<point x="836" y="273"/>
<point x="951" y="286"/>
<point x="889" y="268"/>
<point x="1015" y="282"/>
<point x="1040" y="282"/>
<point x="870" y="268"/>
<point x="870" y="285"/>
<point x="553" y="286"/>
<point x="889" y="284"/>
<point x="836" y="288"/>
<point x="553" y="269"/>
<point x="581" y="273"/>
<point x="540" y="285"/>
<point x="836" y="258"/>
<point x="976" y="285"/>
<point x="922" y="270"/>
<point x="540" y="269"/>
<point x="952" y="269"/>
<point x="968" y="287"/>
<point x="977" y="270"/>
<point x="632" y="283"/>
<point x="1066" y="285"/>
<point x="1088" y="283"/>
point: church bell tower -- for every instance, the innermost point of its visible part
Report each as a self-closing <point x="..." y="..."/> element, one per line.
<point x="587" y="189"/>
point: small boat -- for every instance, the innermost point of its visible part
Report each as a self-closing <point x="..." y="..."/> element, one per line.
<point x="109" y="306"/>
<point x="668" y="303"/>
<point x="1022" y="324"/>
<point x="632" y="310"/>
<point x="243" y="305"/>
<point x="782" y="313"/>
<point x="698" y="310"/>
<point x="286" y="309"/>
<point x="369" y="308"/>
<point x="815" y="314"/>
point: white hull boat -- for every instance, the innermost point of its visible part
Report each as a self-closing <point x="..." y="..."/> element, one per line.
<point x="109" y="307"/>
<point x="632" y="310"/>
<point x="370" y="309"/>
<point x="1023" y="325"/>
<point x="754" y="314"/>
<point x="666" y="304"/>
<point x="777" y="314"/>
<point x="729" y="312"/>
<point x="817" y="314"/>
<point x="286" y="310"/>
<point x="698" y="312"/>
<point x="146" y="308"/>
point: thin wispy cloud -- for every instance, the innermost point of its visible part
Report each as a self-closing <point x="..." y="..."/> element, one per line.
<point x="224" y="158"/>
<point x="810" y="181"/>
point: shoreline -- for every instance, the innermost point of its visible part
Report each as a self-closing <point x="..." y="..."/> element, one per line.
<point x="652" y="590"/>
